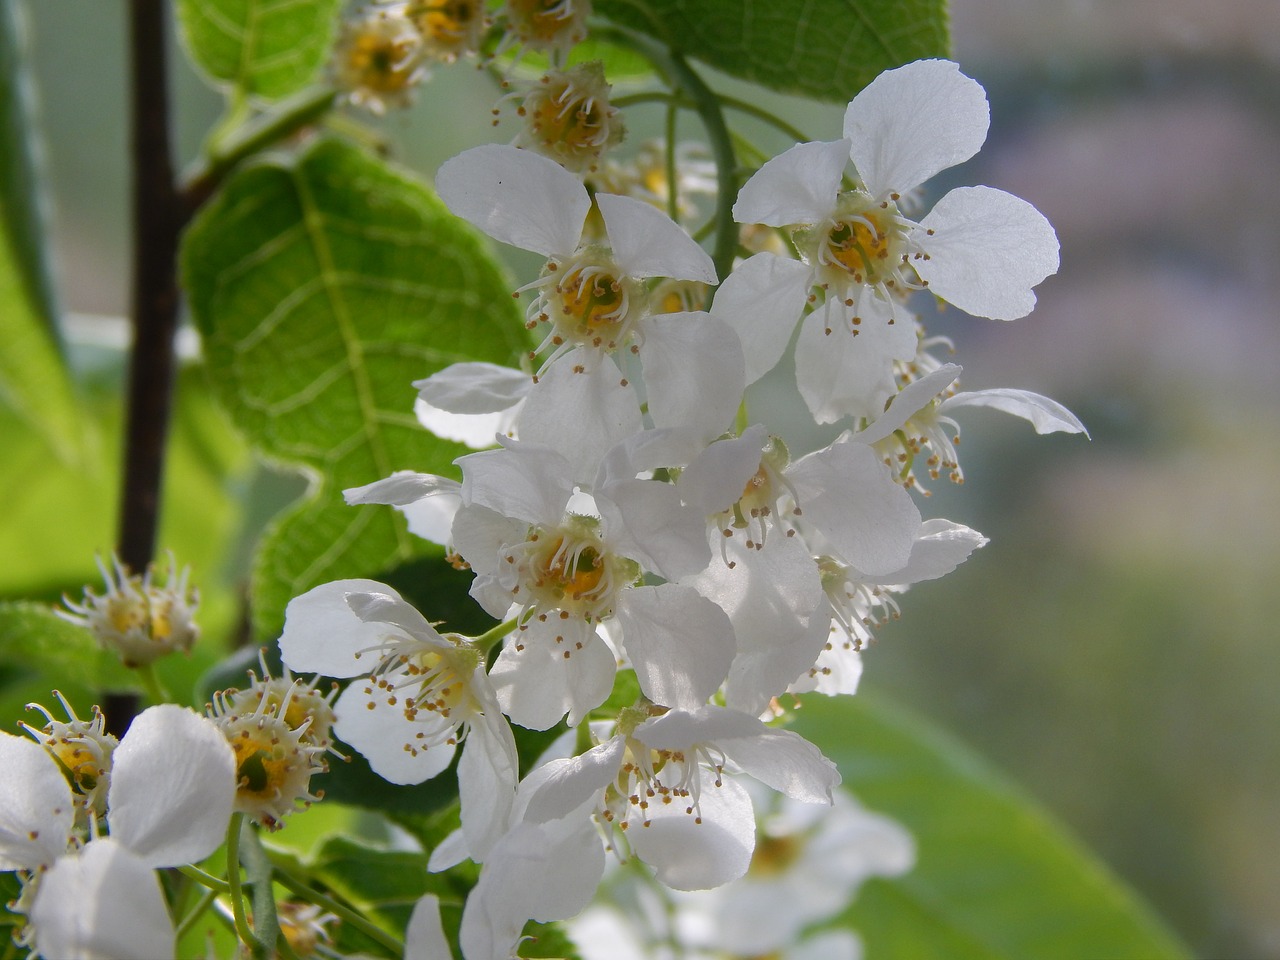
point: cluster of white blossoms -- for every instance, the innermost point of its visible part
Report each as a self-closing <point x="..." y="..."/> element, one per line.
<point x="634" y="530"/>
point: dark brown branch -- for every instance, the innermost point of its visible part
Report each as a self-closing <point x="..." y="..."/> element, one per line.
<point x="157" y="216"/>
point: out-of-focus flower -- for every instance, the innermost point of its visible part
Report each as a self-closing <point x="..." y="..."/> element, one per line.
<point x="378" y="60"/>
<point x="138" y="619"/>
<point x="567" y="117"/>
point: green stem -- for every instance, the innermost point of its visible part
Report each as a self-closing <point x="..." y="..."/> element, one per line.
<point x="151" y="683"/>
<point x="744" y="106"/>
<point x="256" y="949"/>
<point x="216" y="884"/>
<point x="486" y="640"/>
<point x="192" y="918"/>
<point x="301" y="889"/>
<point x="673" y="198"/>
<point x="282" y="120"/>
<point x="683" y="79"/>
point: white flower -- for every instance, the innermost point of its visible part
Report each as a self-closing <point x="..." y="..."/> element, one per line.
<point x="594" y="299"/>
<point x="980" y="249"/>
<point x="423" y="694"/>
<point x="170" y="799"/>
<point x="662" y="781"/>
<point x="564" y="561"/>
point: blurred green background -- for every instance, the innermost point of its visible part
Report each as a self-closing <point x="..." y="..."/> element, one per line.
<point x="1114" y="646"/>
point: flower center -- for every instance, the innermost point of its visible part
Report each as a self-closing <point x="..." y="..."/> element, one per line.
<point x="569" y="569"/>
<point x="448" y="25"/>
<point x="546" y="23"/>
<point x="442" y="689"/>
<point x="568" y="117"/>
<point x="649" y="777"/>
<point x="864" y="243"/>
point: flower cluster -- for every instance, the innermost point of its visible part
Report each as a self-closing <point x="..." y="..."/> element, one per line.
<point x="664" y="569"/>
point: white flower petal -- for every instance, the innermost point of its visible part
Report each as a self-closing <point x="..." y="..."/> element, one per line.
<point x="841" y="374"/>
<point x="480" y="536"/>
<point x="849" y="496"/>
<point x="679" y="643"/>
<point x="388" y="607"/>
<point x="477" y="430"/>
<point x="424" y="936"/>
<point x="762" y="300"/>
<point x="774" y="599"/>
<point x="913" y="122"/>
<point x="576" y="781"/>
<point x="940" y="547"/>
<point x="648" y="243"/>
<point x="487" y="775"/>
<point x="526" y="481"/>
<point x="786" y="762"/>
<point x="322" y="635"/>
<point x="173" y="783"/>
<point x="646" y="521"/>
<point x="1046" y="415"/>
<point x="550" y="668"/>
<point x="37" y="809"/>
<point x="987" y="250"/>
<point x="581" y="415"/>
<point x="689" y="855"/>
<point x="474" y="387"/>
<point x="517" y="197"/>
<point x="708" y="723"/>
<point x="908" y="401"/>
<point x="714" y="481"/>
<point x="693" y="372"/>
<point x="402" y="487"/>
<point x="799" y="185"/>
<point x="383" y="735"/>
<point x="104" y="904"/>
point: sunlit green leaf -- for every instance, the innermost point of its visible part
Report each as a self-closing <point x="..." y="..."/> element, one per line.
<point x="33" y="376"/>
<point x="324" y="286"/>
<point x="995" y="878"/>
<point x="262" y="48"/>
<point x="827" y="49"/>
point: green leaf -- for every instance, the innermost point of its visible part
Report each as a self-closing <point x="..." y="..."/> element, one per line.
<point x="995" y="877"/>
<point x="826" y="49"/>
<point x="323" y="287"/>
<point x="33" y="375"/>
<point x="261" y="48"/>
<point x="36" y="645"/>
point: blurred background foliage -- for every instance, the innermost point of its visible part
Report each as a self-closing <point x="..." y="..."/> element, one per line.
<point x="1113" y="647"/>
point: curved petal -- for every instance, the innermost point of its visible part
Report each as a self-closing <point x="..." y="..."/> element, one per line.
<point x="173" y="783"/>
<point x="526" y="481"/>
<point x="552" y="667"/>
<point x="910" y="123"/>
<point x="908" y="401"/>
<point x="774" y="599"/>
<point x="424" y="936"/>
<point x="688" y="853"/>
<point x="402" y="487"/>
<point x="940" y="547"/>
<point x="487" y="775"/>
<point x="575" y="781"/>
<point x="105" y="904"/>
<point x="582" y="415"/>
<point x="517" y="197"/>
<point x="679" y="642"/>
<point x="1043" y="413"/>
<point x="37" y="810"/>
<point x="646" y="521"/>
<point x="847" y="493"/>
<point x="398" y="749"/>
<point x="762" y="300"/>
<point x="841" y="373"/>
<point x="714" y="481"/>
<point x="474" y="387"/>
<point x="799" y="185"/>
<point x="479" y="431"/>
<point x="648" y="243"/>
<point x="321" y="633"/>
<point x="693" y="372"/>
<point x="785" y="761"/>
<point x="987" y="250"/>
